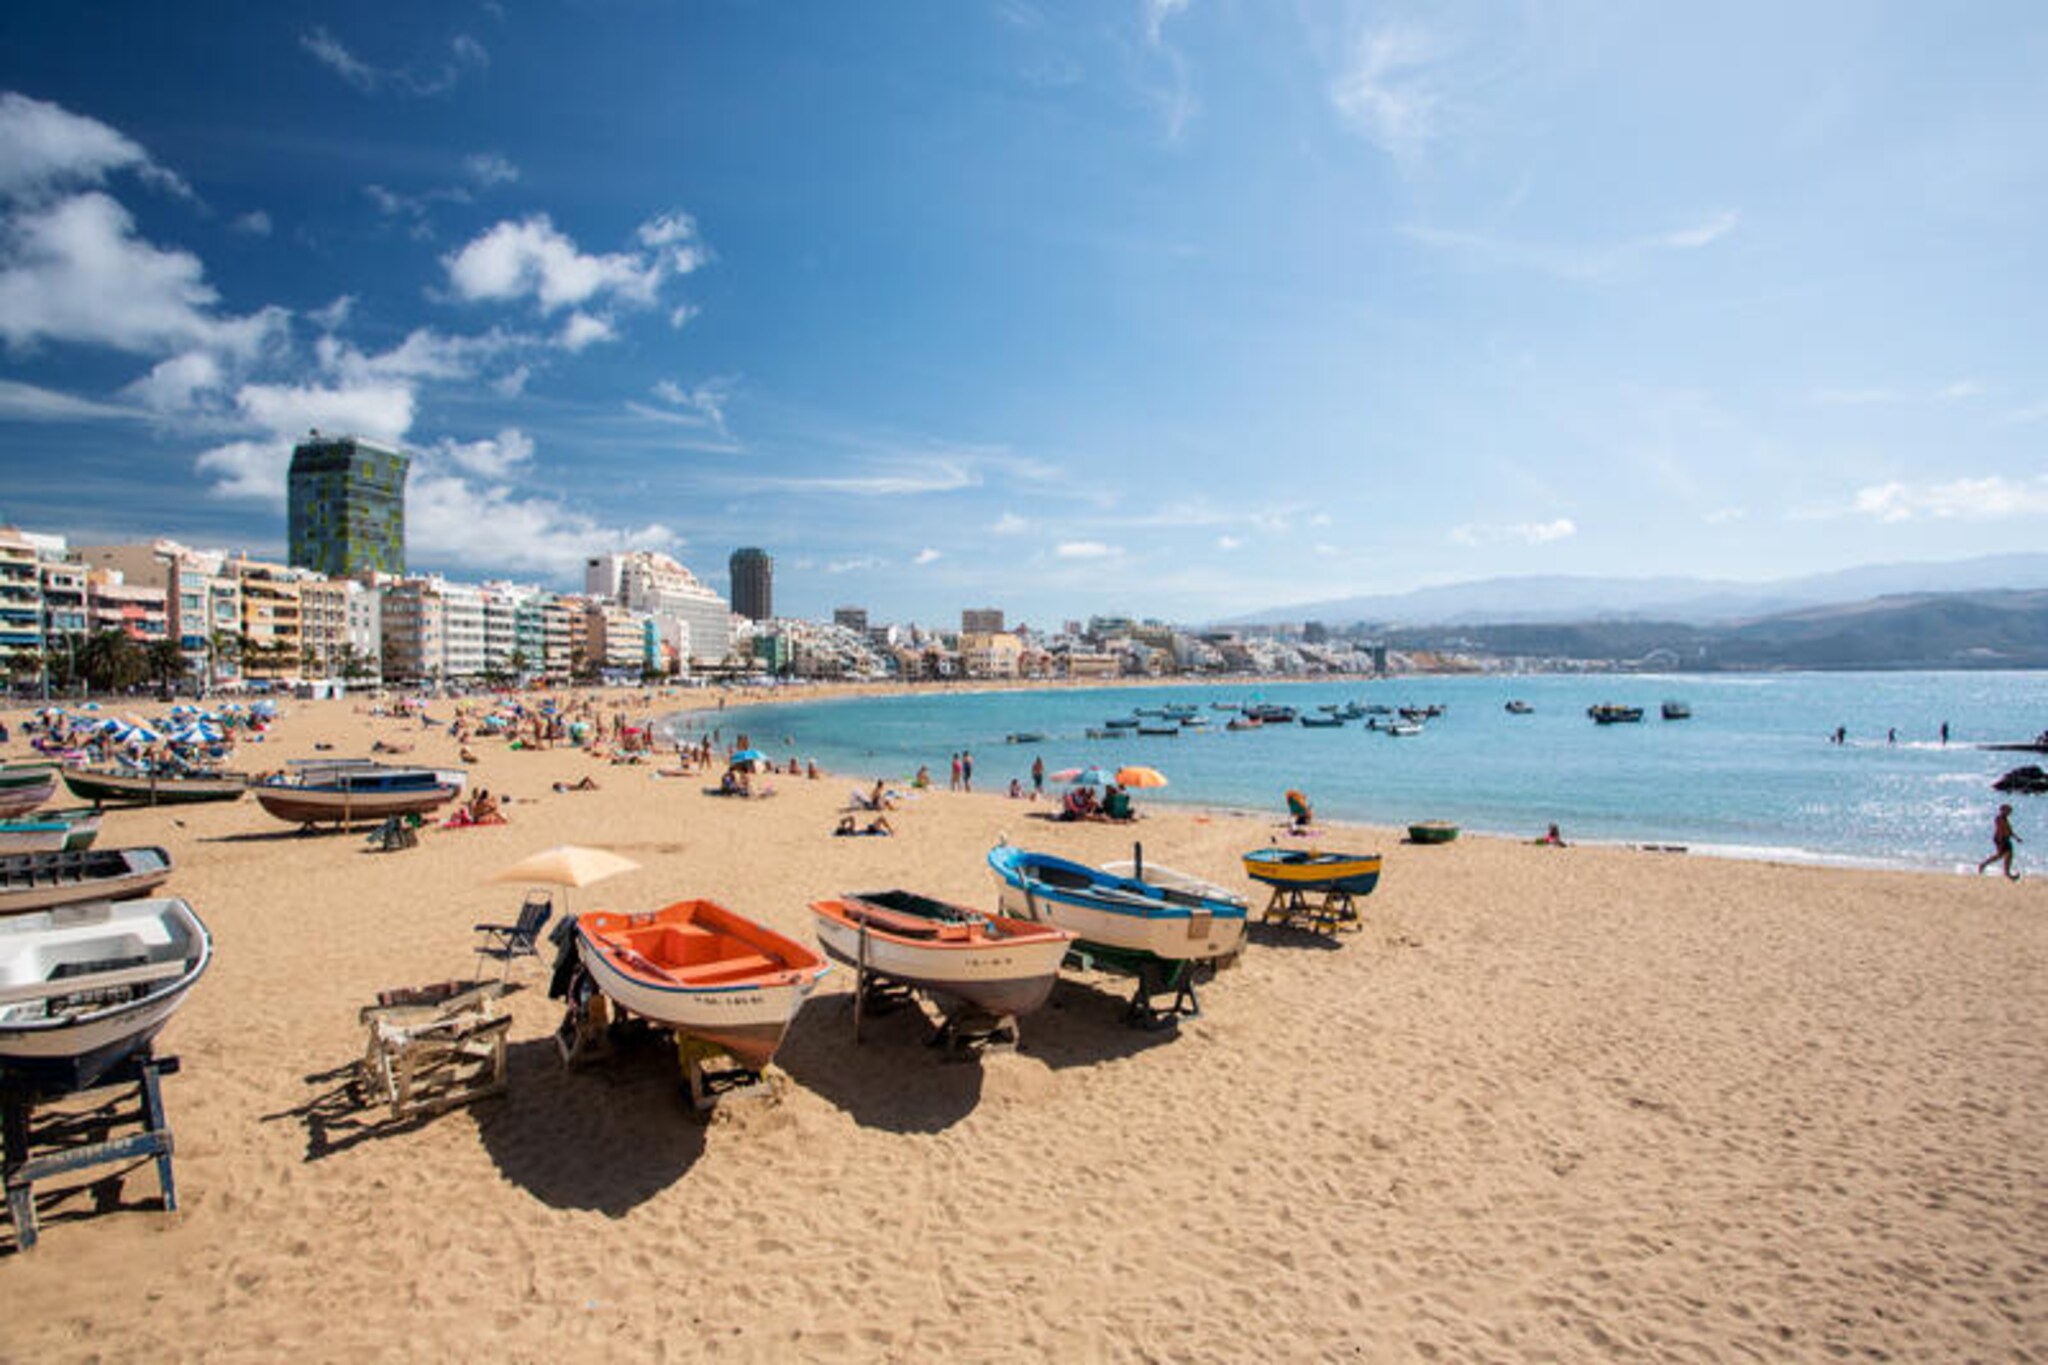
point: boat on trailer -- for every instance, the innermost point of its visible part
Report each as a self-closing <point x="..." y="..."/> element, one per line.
<point x="355" y="791"/>
<point x="704" y="972"/>
<point x="38" y="881"/>
<point x="153" y="786"/>
<point x="1161" y="935"/>
<point x="992" y="963"/>
<point x="1103" y="909"/>
<point x="83" y="987"/>
<point x="1301" y="869"/>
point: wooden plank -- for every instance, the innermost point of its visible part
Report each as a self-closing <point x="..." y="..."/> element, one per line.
<point x="73" y="985"/>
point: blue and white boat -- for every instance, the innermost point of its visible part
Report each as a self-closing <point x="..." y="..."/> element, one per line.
<point x="1123" y="914"/>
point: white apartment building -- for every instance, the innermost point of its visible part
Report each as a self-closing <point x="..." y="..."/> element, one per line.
<point x="652" y="583"/>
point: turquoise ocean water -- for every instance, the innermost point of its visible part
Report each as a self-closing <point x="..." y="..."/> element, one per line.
<point x="1751" y="774"/>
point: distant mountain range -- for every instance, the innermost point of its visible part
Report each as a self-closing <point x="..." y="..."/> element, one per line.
<point x="1693" y="601"/>
<point x="1924" y="630"/>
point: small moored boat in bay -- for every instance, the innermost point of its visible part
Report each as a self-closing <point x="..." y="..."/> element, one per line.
<point x="1676" y="710"/>
<point x="1613" y="713"/>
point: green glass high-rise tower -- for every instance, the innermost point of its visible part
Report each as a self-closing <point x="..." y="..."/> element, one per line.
<point x="347" y="506"/>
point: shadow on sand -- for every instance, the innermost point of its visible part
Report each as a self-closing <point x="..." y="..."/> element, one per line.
<point x="1293" y="936"/>
<point x="1086" y="1022"/>
<point x="606" y="1137"/>
<point x="890" y="1080"/>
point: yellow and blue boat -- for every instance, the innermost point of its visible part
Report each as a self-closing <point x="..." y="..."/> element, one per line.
<point x="1296" y="869"/>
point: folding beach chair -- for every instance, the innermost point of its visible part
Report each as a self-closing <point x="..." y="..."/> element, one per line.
<point x="507" y="941"/>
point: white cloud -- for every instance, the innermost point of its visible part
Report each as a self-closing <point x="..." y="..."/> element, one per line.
<point x="175" y="385"/>
<point x="1854" y="398"/>
<point x="491" y="458"/>
<point x="910" y="477"/>
<point x="331" y="317"/>
<point x="250" y="470"/>
<point x="706" y="400"/>
<point x="1388" y="92"/>
<point x="74" y="271"/>
<point x="382" y="412"/>
<point x="1991" y="498"/>
<point x="255" y="223"/>
<point x="674" y="235"/>
<point x="1157" y="12"/>
<point x="855" y="565"/>
<point x="926" y="556"/>
<point x="493" y="529"/>
<point x="1009" y="524"/>
<point x="1702" y="234"/>
<point x="1961" y="388"/>
<point x="584" y="329"/>
<point x="512" y="383"/>
<point x="45" y="148"/>
<point x="490" y="168"/>
<point x="28" y="402"/>
<point x="1083" y="549"/>
<point x="424" y="354"/>
<point x="1228" y="543"/>
<point x="530" y="258"/>
<point x="328" y="51"/>
<point x="680" y="315"/>
<point x="465" y="54"/>
<point x="1319" y="519"/>
<point x="1722" y="516"/>
<point x="1527" y="532"/>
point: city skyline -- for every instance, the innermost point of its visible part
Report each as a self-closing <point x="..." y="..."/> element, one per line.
<point x="1169" y="308"/>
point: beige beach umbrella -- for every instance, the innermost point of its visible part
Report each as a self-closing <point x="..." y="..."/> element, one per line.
<point x="565" y="865"/>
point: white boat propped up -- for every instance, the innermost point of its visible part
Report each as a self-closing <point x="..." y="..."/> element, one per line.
<point x="82" y="987"/>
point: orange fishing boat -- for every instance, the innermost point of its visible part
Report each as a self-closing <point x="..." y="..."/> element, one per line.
<point x="704" y="971"/>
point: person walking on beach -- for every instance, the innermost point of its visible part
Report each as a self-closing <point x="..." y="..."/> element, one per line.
<point x="1037" y="777"/>
<point x="2002" y="840"/>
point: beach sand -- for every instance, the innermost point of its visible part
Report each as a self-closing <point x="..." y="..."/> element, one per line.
<point x="1548" y="1103"/>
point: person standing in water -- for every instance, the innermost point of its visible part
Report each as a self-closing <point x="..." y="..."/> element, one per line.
<point x="2002" y="840"/>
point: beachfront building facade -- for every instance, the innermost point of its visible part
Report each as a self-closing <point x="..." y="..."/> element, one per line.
<point x="203" y="603"/>
<point x="21" y="602"/>
<point x="341" y="628"/>
<point x="410" y="628"/>
<point x="346" y="507"/>
<point x="753" y="583"/>
<point x="136" y="610"/>
<point x="64" y="612"/>
<point x="462" y="630"/>
<point x="687" y="614"/>
<point x="852" y="618"/>
<point x="990" y="654"/>
<point x="268" y="636"/>
<point x="616" y="640"/>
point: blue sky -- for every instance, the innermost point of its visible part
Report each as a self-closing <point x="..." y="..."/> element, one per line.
<point x="1170" y="307"/>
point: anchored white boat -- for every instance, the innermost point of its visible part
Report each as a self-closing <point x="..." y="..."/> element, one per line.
<point x="84" y="986"/>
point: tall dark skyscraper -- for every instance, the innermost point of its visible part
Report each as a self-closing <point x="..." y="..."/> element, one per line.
<point x="347" y="506"/>
<point x="753" y="583"/>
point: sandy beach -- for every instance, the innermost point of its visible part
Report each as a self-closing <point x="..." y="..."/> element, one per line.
<point x="1548" y="1103"/>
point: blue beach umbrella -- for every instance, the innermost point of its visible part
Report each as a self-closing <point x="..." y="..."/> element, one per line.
<point x="1088" y="777"/>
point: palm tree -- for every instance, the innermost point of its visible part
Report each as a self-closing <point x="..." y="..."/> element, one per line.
<point x="112" y="661"/>
<point x="166" y="663"/>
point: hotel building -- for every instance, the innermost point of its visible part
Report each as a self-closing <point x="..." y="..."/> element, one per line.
<point x="346" y="510"/>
